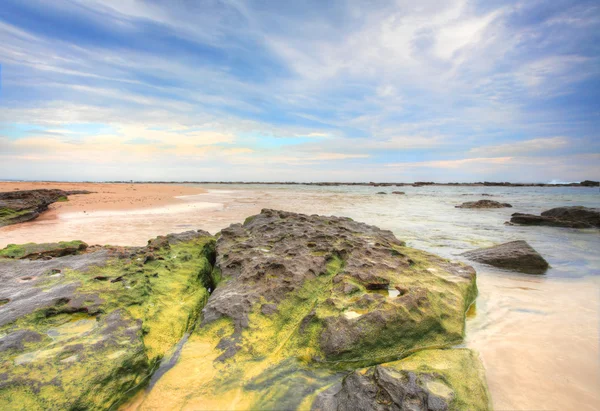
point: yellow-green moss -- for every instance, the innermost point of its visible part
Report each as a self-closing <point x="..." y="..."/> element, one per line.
<point x="22" y="250"/>
<point x="164" y="295"/>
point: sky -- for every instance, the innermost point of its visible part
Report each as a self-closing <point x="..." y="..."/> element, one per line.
<point x="385" y="90"/>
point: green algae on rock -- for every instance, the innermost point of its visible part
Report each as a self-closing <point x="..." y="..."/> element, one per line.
<point x="34" y="251"/>
<point x="24" y="205"/>
<point x="432" y="380"/>
<point x="85" y="331"/>
<point x="303" y="300"/>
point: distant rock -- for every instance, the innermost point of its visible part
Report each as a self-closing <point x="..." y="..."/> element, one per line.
<point x="515" y="255"/>
<point x="19" y="206"/>
<point x="589" y="183"/>
<point x="570" y="217"/>
<point x="483" y="204"/>
<point x="382" y="192"/>
<point x="398" y="192"/>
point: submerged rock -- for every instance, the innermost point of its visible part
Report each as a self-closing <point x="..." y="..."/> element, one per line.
<point x="483" y="204"/>
<point x="515" y="255"/>
<point x="398" y="192"/>
<point x="19" y="206"/>
<point x="84" y="331"/>
<point x="300" y="301"/>
<point x="570" y="217"/>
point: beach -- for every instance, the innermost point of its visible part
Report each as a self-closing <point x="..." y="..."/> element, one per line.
<point x="537" y="335"/>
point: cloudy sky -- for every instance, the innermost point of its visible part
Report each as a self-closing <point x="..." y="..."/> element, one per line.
<point x="300" y="90"/>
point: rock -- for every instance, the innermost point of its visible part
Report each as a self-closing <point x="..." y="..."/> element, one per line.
<point x="572" y="217"/>
<point x="84" y="331"/>
<point x="398" y="192"/>
<point x="34" y="251"/>
<point x="382" y="192"/>
<point x="515" y="255"/>
<point x="25" y="205"/>
<point x="483" y="204"/>
<point x="432" y="380"/>
<point x="301" y="298"/>
<point x="589" y="183"/>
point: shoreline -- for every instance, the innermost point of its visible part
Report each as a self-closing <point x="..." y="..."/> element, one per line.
<point x="585" y="183"/>
<point x="107" y="196"/>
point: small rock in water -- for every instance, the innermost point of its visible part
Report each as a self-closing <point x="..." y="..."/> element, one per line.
<point x="570" y="217"/>
<point x="515" y="255"/>
<point x="483" y="204"/>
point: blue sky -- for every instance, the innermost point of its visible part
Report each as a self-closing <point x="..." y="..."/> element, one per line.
<point x="303" y="91"/>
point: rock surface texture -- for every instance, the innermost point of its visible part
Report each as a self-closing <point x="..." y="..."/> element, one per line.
<point x="305" y="312"/>
<point x="19" y="206"/>
<point x="303" y="300"/>
<point x="83" y="331"/>
<point x="515" y="255"/>
<point x="483" y="204"/>
<point x="571" y="217"/>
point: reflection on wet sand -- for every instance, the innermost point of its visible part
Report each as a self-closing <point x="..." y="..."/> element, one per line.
<point x="538" y="336"/>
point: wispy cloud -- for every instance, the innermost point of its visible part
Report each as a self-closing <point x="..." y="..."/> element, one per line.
<point x="380" y="86"/>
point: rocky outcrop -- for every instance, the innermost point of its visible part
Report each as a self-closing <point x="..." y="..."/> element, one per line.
<point x="398" y="192"/>
<point x="483" y="204"/>
<point x="427" y="381"/>
<point x="571" y="217"/>
<point x="19" y="206"/>
<point x="303" y="300"/>
<point x="515" y="255"/>
<point x="84" y="331"/>
<point x="301" y="305"/>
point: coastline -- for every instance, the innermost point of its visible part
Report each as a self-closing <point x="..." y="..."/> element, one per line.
<point x="585" y="183"/>
<point x="107" y="197"/>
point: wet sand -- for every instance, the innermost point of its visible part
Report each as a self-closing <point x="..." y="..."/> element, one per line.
<point x="538" y="336"/>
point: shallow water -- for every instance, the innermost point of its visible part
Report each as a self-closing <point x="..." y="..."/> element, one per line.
<point x="538" y="336"/>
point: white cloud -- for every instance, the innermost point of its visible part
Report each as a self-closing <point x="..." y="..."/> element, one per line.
<point x="523" y="147"/>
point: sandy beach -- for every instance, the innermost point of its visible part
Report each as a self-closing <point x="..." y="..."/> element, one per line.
<point x="107" y="196"/>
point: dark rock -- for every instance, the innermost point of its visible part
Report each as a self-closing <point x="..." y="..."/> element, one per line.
<point x="25" y="205"/>
<point x="402" y="385"/>
<point x="589" y="183"/>
<point x="273" y="257"/>
<point x="398" y="192"/>
<point x="571" y="217"/>
<point x="483" y="204"/>
<point x="515" y="255"/>
<point x="382" y="192"/>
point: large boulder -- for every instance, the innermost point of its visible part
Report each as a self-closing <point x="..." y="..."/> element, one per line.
<point x="301" y="300"/>
<point x="515" y="255"/>
<point x="24" y="205"/>
<point x="84" y="331"/>
<point x="483" y="204"/>
<point x="571" y="217"/>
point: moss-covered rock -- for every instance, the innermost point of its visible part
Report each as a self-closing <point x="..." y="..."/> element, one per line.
<point x="24" y="205"/>
<point x="35" y="251"/>
<point x="303" y="300"/>
<point x="430" y="380"/>
<point x="86" y="331"/>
